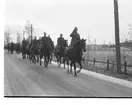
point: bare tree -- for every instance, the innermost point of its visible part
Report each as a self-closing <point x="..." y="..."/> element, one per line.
<point x="29" y="29"/>
<point x="130" y="32"/>
<point x="7" y="36"/>
<point x="18" y="37"/>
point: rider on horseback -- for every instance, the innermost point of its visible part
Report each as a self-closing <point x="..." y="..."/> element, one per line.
<point x="60" y="40"/>
<point x="75" y="38"/>
<point x="23" y="42"/>
<point x="44" y="39"/>
<point x="50" y="42"/>
<point x="35" y="40"/>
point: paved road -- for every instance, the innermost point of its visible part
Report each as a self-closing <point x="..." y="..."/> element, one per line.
<point x="22" y="78"/>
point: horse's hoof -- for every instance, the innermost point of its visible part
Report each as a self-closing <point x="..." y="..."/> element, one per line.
<point x="67" y="71"/>
<point x="78" y="71"/>
<point x="71" y="72"/>
<point x="75" y="75"/>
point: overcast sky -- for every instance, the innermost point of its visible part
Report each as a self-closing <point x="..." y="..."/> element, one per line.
<point x="92" y="17"/>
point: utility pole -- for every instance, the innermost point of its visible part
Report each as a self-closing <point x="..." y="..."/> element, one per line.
<point x="31" y="32"/>
<point x="88" y="46"/>
<point x="117" y="38"/>
<point x="94" y="44"/>
<point x="23" y="33"/>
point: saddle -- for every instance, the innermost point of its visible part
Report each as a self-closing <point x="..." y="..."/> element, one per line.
<point x="72" y="45"/>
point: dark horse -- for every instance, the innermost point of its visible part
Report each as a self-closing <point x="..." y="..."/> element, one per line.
<point x="45" y="52"/>
<point x="24" y="49"/>
<point x="34" y="53"/>
<point x="51" y="51"/>
<point x="18" y="48"/>
<point x="75" y="55"/>
<point x="60" y="52"/>
<point x="12" y="47"/>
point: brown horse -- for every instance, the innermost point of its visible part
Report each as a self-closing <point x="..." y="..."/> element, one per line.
<point x="75" y="55"/>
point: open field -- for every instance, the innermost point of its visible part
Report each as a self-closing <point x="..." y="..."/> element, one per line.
<point x="108" y="55"/>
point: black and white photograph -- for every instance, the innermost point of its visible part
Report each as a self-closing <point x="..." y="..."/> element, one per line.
<point x="67" y="49"/>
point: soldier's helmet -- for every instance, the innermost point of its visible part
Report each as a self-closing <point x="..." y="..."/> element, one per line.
<point x="75" y="28"/>
<point x="45" y="33"/>
<point x="61" y="35"/>
<point x="35" y="37"/>
<point x="49" y="36"/>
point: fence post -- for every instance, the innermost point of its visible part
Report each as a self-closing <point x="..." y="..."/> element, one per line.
<point x="107" y="64"/>
<point x="125" y="64"/>
<point x="94" y="61"/>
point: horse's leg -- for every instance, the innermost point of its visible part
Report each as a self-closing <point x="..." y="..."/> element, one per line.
<point x="40" y="60"/>
<point x="74" y="63"/>
<point x="34" y="58"/>
<point x="64" y="62"/>
<point x="37" y="58"/>
<point x="44" y="60"/>
<point x="71" y="66"/>
<point x="27" y="55"/>
<point x="67" y="63"/>
<point x="59" y="61"/>
<point x="80" y="64"/>
<point x="51" y="58"/>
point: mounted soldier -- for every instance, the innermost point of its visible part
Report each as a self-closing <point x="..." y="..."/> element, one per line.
<point x="34" y="42"/>
<point x="12" y="47"/>
<point x="45" y="49"/>
<point x="75" y="38"/>
<point x="49" y="40"/>
<point x="24" y="42"/>
<point x="60" y="41"/>
<point x="44" y="38"/>
<point x="51" y="46"/>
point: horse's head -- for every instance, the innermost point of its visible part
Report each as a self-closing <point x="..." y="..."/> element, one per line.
<point x="65" y="43"/>
<point x="83" y="44"/>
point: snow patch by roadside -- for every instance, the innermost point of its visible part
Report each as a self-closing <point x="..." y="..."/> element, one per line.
<point x="104" y="77"/>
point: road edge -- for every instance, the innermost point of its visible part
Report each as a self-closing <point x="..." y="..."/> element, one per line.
<point x="111" y="79"/>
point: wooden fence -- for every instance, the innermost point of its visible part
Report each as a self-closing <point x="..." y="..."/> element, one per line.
<point x="125" y="64"/>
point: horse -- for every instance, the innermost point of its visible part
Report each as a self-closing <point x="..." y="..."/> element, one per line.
<point x="60" y="52"/>
<point x="28" y="51"/>
<point x="18" y="48"/>
<point x="51" y="51"/>
<point x="8" y="47"/>
<point x="45" y="52"/>
<point x="75" y="55"/>
<point x="34" y="52"/>
<point x="11" y="47"/>
<point x="24" y="49"/>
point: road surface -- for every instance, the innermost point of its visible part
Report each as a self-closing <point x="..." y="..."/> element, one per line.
<point x="23" y="78"/>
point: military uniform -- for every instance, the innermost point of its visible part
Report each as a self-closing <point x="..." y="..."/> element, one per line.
<point x="24" y="43"/>
<point x="44" y="40"/>
<point x="75" y="38"/>
<point x="60" y="41"/>
<point x="49" y="41"/>
<point x="34" y="41"/>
